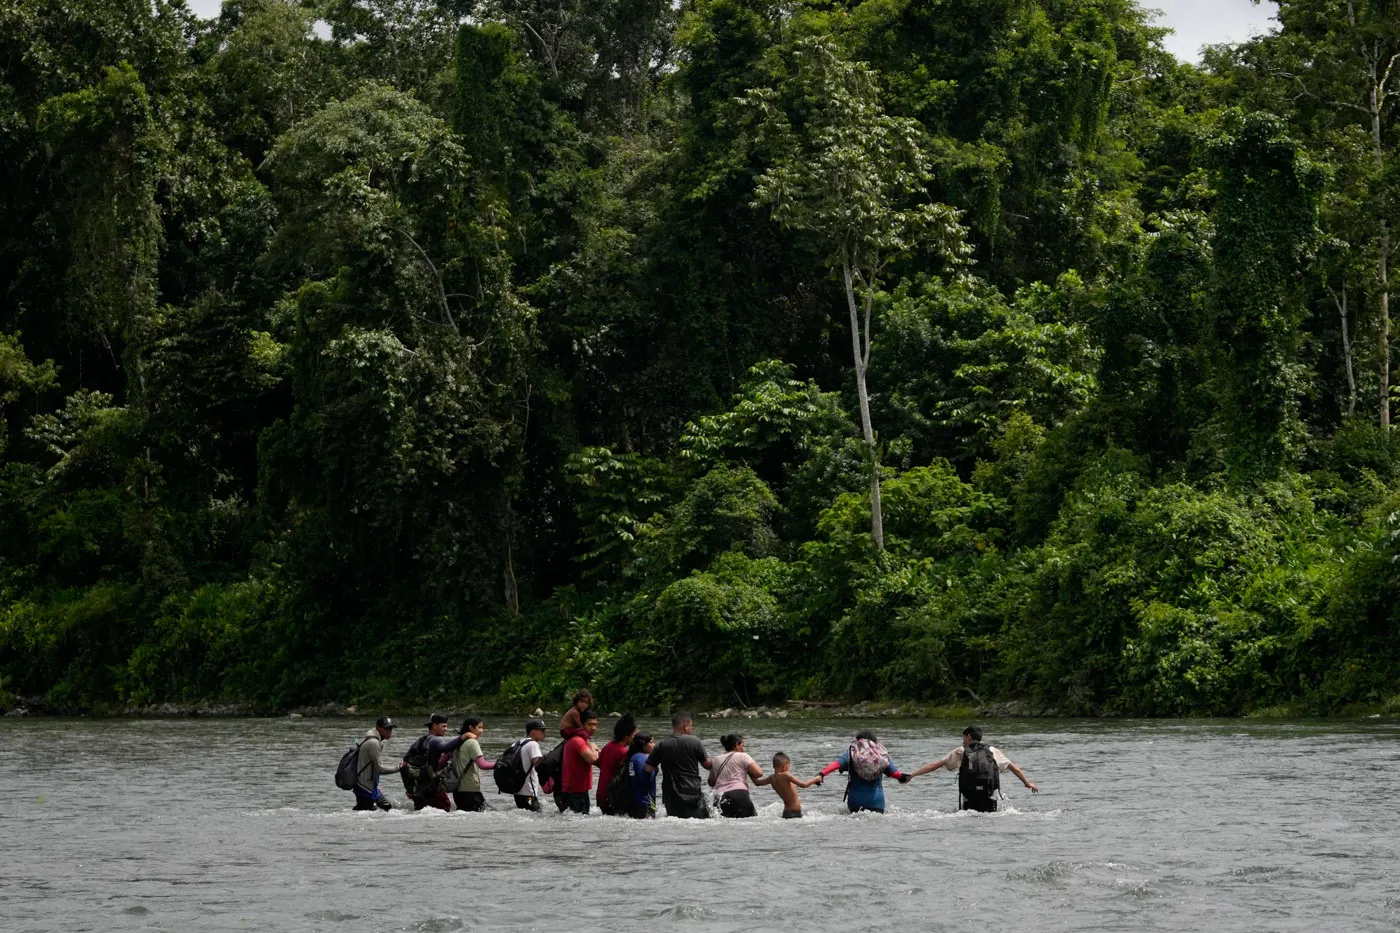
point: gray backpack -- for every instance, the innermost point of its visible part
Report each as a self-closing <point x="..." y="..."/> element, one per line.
<point x="347" y="774"/>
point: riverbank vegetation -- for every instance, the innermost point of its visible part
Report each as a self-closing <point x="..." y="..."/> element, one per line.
<point x="728" y="352"/>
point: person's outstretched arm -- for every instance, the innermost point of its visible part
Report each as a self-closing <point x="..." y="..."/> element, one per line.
<point x="934" y="766"/>
<point x="898" y="775"/>
<point x="375" y="753"/>
<point x="483" y="764"/>
<point x="1016" y="770"/>
<point x="809" y="782"/>
<point x="756" y="773"/>
<point x="834" y="766"/>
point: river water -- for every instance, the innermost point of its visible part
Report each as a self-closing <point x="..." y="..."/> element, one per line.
<point x="210" y="825"/>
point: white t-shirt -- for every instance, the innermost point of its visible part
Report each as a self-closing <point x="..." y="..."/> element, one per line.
<point x="528" y="753"/>
<point x="954" y="760"/>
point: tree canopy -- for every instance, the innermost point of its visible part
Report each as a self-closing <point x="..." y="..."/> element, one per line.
<point x="940" y="350"/>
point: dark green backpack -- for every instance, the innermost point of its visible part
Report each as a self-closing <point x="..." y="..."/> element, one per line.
<point x="420" y="778"/>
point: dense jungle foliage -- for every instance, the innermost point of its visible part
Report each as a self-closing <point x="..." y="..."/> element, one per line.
<point x="411" y="350"/>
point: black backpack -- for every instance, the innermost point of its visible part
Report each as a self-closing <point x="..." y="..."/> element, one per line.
<point x="510" y="772"/>
<point x="551" y="766"/>
<point x="978" y="777"/>
<point x="420" y="778"/>
<point x="620" y="788"/>
<point x="347" y="772"/>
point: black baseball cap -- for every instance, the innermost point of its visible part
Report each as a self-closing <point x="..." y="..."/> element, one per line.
<point x="532" y="724"/>
<point x="384" y="722"/>
<point x="436" y="718"/>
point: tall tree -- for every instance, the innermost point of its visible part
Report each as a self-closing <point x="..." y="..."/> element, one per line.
<point x="406" y="43"/>
<point x="1338" y="60"/>
<point x="1266" y="227"/>
<point x="850" y="173"/>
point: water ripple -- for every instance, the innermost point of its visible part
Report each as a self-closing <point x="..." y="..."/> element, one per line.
<point x="222" y="826"/>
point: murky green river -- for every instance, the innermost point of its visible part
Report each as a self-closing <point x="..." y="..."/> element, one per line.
<point x="209" y="825"/>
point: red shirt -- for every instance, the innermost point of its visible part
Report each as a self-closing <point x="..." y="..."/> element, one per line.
<point x="613" y="755"/>
<point x="578" y="773"/>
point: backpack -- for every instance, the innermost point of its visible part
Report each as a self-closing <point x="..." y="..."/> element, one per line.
<point x="510" y="773"/>
<point x="978" y="777"/>
<point x="420" y="777"/>
<point x="551" y="766"/>
<point x="868" y="760"/>
<point x="452" y="776"/>
<point x="347" y="773"/>
<point x="620" y="787"/>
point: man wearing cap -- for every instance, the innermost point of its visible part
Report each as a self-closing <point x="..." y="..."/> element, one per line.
<point x="528" y="797"/>
<point x="434" y="749"/>
<point x="369" y="765"/>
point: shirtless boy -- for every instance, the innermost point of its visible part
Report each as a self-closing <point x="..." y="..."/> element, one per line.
<point x="786" y="784"/>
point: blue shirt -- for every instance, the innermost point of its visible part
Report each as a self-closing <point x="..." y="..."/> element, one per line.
<point x="643" y="783"/>
<point x="869" y="795"/>
<point x="440" y="747"/>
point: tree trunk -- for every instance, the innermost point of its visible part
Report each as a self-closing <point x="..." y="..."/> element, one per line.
<point x="862" y="361"/>
<point x="511" y="590"/>
<point x="1384" y="335"/>
<point x="1341" y="302"/>
<point x="1383" y="251"/>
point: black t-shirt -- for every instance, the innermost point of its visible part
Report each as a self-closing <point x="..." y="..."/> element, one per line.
<point x="679" y="758"/>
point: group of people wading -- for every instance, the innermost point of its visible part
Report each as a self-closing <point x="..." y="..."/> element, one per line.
<point x="447" y="773"/>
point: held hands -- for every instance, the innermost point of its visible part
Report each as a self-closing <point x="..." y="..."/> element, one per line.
<point x="904" y="778"/>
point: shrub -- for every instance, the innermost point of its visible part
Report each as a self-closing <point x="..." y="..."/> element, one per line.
<point x="1168" y="600"/>
<point x="723" y="632"/>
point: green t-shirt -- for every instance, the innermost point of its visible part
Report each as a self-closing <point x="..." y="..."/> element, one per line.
<point x="464" y="763"/>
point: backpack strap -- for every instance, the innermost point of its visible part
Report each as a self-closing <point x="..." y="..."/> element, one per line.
<point x="715" y="774"/>
<point x="359" y="744"/>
